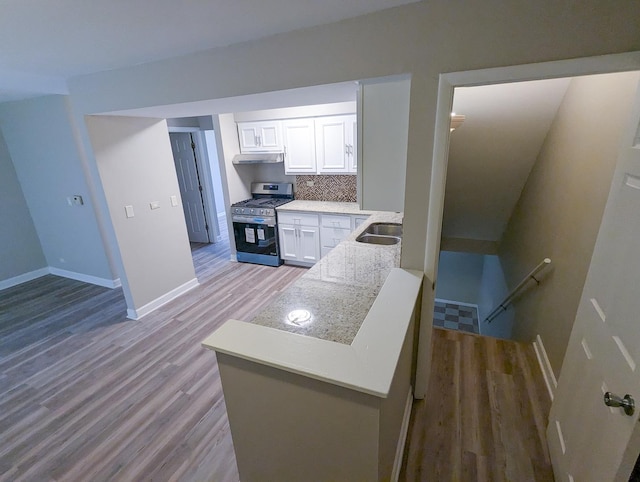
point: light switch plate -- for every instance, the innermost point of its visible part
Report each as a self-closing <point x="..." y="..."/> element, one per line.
<point x="154" y="204"/>
<point x="129" y="211"/>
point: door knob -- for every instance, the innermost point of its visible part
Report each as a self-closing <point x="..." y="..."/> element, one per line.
<point x="627" y="403"/>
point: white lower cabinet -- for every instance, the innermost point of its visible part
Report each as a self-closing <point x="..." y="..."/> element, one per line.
<point x="299" y="236"/>
<point x="333" y="229"/>
<point x="305" y="237"/>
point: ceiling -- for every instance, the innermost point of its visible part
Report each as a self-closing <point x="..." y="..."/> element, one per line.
<point x="45" y="43"/>
<point x="492" y="153"/>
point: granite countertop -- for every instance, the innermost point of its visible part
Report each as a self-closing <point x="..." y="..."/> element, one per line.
<point x="338" y="291"/>
<point x="327" y="207"/>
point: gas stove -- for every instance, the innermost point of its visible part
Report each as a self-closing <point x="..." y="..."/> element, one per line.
<point x="254" y="223"/>
<point x="258" y="207"/>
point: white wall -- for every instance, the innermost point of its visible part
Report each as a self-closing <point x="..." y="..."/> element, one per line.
<point x="459" y="276"/>
<point x="214" y="166"/>
<point x="559" y="211"/>
<point x="423" y="39"/>
<point x="382" y="144"/>
<point x="136" y="167"/>
<point x="337" y="108"/>
<point x="41" y="141"/>
<point x="20" y="250"/>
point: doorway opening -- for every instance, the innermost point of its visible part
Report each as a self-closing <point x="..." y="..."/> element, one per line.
<point x="201" y="188"/>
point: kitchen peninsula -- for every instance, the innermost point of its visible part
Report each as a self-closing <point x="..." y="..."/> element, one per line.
<point x="318" y="385"/>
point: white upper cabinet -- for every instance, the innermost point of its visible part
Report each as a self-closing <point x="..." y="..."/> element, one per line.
<point x="335" y="144"/>
<point x="320" y="145"/>
<point x="261" y="136"/>
<point x="299" y="146"/>
<point x="352" y="138"/>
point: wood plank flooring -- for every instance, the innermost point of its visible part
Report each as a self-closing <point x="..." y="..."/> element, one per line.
<point x="87" y="395"/>
<point x="485" y="414"/>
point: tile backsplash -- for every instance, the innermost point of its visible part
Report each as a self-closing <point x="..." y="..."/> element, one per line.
<point x="341" y="188"/>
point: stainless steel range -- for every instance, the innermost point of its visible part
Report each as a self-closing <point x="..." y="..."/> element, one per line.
<point x="254" y="223"/>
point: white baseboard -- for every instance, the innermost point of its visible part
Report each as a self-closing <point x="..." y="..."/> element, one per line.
<point x="94" y="280"/>
<point x="545" y="366"/>
<point x="23" y="278"/>
<point x="461" y="303"/>
<point x="402" y="439"/>
<point x="136" y="314"/>
<point x="86" y="278"/>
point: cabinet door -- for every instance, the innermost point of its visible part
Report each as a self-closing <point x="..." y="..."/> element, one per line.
<point x="270" y="133"/>
<point x="309" y="244"/>
<point x="262" y="136"/>
<point x="358" y="220"/>
<point x="352" y="143"/>
<point x="332" y="151"/>
<point x="248" y="137"/>
<point x="299" y="146"/>
<point x="288" y="241"/>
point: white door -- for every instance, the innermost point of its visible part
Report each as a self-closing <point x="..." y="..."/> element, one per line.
<point x="299" y="146"/>
<point x="332" y="150"/>
<point x="190" y="189"/>
<point x="589" y="441"/>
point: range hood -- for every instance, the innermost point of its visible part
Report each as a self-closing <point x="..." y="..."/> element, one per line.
<point x="259" y="158"/>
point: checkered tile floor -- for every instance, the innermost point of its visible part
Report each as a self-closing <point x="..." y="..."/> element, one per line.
<point x="456" y="317"/>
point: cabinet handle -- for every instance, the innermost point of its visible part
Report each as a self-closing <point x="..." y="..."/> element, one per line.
<point x="258" y="140"/>
<point x="285" y="151"/>
<point x="351" y="150"/>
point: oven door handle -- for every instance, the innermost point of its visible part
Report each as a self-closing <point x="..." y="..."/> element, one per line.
<point x="268" y="220"/>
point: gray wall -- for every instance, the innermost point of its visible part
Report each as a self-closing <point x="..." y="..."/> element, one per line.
<point x="136" y="166"/>
<point x="459" y="276"/>
<point x="20" y="250"/>
<point x="493" y="289"/>
<point x="559" y="212"/>
<point x="40" y="137"/>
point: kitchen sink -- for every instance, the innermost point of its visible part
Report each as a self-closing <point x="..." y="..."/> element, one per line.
<point x="384" y="229"/>
<point x="381" y="233"/>
<point x="377" y="239"/>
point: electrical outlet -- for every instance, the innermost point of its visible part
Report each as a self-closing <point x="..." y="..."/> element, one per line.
<point x="310" y="183"/>
<point x="75" y="200"/>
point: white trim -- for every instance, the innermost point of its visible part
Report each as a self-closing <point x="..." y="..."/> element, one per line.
<point x="461" y="303"/>
<point x="545" y="366"/>
<point x="402" y="439"/>
<point x="627" y="61"/>
<point x="136" y="314"/>
<point x="86" y="278"/>
<point x="23" y="278"/>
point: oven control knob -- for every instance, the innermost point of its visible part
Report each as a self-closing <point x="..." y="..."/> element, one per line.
<point x="253" y="211"/>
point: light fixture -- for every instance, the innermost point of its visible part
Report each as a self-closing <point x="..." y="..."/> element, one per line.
<point x="456" y="121"/>
<point x="299" y="317"/>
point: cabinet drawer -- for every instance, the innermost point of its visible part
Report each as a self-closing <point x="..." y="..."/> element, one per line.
<point x="298" y="218"/>
<point x="333" y="221"/>
<point x="331" y="237"/>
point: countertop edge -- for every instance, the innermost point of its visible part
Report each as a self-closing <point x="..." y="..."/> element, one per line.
<point x="367" y="365"/>
<point x="324" y="207"/>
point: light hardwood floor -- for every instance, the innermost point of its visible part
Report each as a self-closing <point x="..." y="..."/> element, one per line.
<point x="87" y="395"/>
<point x="485" y="415"/>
